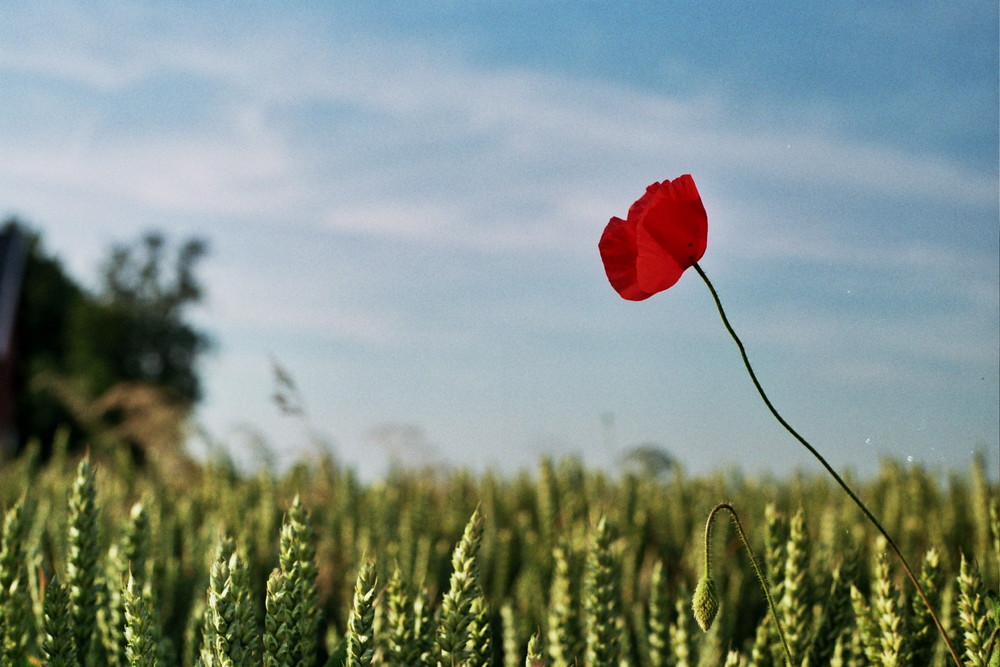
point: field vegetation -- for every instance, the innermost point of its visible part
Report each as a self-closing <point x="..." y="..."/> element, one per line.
<point x="178" y="563"/>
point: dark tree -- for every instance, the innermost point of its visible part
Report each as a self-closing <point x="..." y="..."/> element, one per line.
<point x="85" y="359"/>
<point x="135" y="330"/>
<point x="48" y="296"/>
<point x="649" y="460"/>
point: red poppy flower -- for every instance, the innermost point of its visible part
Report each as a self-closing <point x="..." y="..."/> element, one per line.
<point x="665" y="233"/>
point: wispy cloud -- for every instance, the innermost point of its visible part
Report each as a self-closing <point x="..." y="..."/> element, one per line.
<point x="402" y="196"/>
<point x="936" y="338"/>
<point x="569" y="135"/>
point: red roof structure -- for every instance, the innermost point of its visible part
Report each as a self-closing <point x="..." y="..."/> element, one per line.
<point x="13" y="254"/>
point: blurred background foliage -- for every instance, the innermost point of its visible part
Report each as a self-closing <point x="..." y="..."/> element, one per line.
<point x="114" y="363"/>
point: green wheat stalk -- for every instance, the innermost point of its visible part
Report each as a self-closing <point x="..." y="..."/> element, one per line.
<point x="565" y="636"/>
<point x="867" y="628"/>
<point x="510" y="636"/>
<point x="463" y="589"/>
<point x="15" y="610"/>
<point x="659" y="618"/>
<point x="534" y="656"/>
<point x="247" y="634"/>
<point x="218" y="624"/>
<point x="140" y="644"/>
<point x="129" y="556"/>
<point x="795" y="603"/>
<point x="681" y="640"/>
<point x="836" y="615"/>
<point x="601" y="603"/>
<point x="230" y="633"/>
<point x="775" y="541"/>
<point x="277" y="648"/>
<point x="761" y="654"/>
<point x="297" y="614"/>
<point x="361" y="624"/>
<point x="972" y="614"/>
<point x="424" y="629"/>
<point x="58" y="643"/>
<point x="480" y="645"/>
<point x="921" y="636"/>
<point x="400" y="646"/>
<point x="841" y="655"/>
<point x="887" y="614"/>
<point x="111" y="614"/>
<point x="83" y="553"/>
<point x="732" y="659"/>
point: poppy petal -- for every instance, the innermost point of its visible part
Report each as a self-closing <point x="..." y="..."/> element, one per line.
<point x="656" y="269"/>
<point x="636" y="210"/>
<point x="672" y="230"/>
<point x="618" y="252"/>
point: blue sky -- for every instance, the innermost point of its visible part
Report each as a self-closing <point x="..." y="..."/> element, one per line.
<point x="403" y="202"/>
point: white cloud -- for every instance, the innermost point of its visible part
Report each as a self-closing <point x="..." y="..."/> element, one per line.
<point x="398" y="219"/>
<point x="183" y="174"/>
<point x="874" y="372"/>
<point x="292" y="318"/>
<point x="909" y="255"/>
<point x="358" y="183"/>
<point x="926" y="337"/>
<point x="570" y="135"/>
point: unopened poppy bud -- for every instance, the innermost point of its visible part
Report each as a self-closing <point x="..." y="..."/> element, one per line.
<point x="705" y="603"/>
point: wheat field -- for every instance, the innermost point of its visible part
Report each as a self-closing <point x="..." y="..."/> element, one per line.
<point x="104" y="563"/>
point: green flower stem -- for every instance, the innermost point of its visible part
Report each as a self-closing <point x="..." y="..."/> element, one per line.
<point x="871" y="517"/>
<point x="756" y="568"/>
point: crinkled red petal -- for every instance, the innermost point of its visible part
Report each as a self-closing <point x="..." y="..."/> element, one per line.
<point x="618" y="252"/>
<point x="665" y="234"/>
<point x="671" y="234"/>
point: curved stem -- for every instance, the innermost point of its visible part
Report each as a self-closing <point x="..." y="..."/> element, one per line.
<point x="756" y="568"/>
<point x="812" y="450"/>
